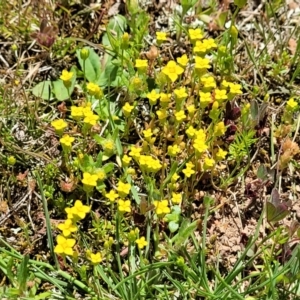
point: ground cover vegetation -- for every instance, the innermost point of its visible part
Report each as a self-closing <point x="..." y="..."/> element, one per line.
<point x="149" y="150"/>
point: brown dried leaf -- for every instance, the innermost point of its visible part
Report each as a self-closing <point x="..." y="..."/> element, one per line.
<point x="292" y="46"/>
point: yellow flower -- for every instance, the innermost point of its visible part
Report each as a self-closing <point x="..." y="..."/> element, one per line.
<point x="161" y="207"/>
<point x="89" y="179"/>
<point x="199" y="145"/>
<point x="153" y="96"/>
<point x="64" y="246"/>
<point x="188" y="172"/>
<point x="235" y="89"/>
<point x="200" y="48"/>
<point x="220" y="95"/>
<point x="124" y="205"/>
<point x="180" y="94"/>
<point x="59" y="124"/>
<point x="126" y="160"/>
<point x="190" y="132"/>
<point x="94" y="258"/>
<point x="79" y="210"/>
<point x="135" y="152"/>
<point x="66" y="76"/>
<point x="91" y="120"/>
<point x="205" y="99"/>
<point x="127" y="109"/>
<point x="141" y="63"/>
<point x="201" y="63"/>
<point x="291" y="104"/>
<point x="195" y="34"/>
<point x="165" y="99"/>
<point x="76" y="112"/>
<point x="191" y="109"/>
<point x="87" y="110"/>
<point x="101" y="174"/>
<point x="175" y="177"/>
<point x="94" y="90"/>
<point x="225" y="84"/>
<point x="219" y="129"/>
<point x="180" y="116"/>
<point x="67" y="227"/>
<point x="111" y="196"/>
<point x="209" y="44"/>
<point x="161" y="36"/>
<point x="183" y="60"/>
<point x="208" y="82"/>
<point x="67" y="140"/>
<point x="141" y="242"/>
<point x="123" y="189"/>
<point x="172" y="70"/>
<point x="108" y="146"/>
<point x="161" y="114"/>
<point x="208" y="163"/>
<point x="173" y="150"/>
<point x="221" y="154"/>
<point x="11" y="160"/>
<point x="176" y="198"/>
<point x="147" y="133"/>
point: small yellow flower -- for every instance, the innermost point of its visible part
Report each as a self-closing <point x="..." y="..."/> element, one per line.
<point x="201" y="63"/>
<point x="66" y="76"/>
<point x="161" y="207"/>
<point x="101" y="174"/>
<point x="123" y="189"/>
<point x="175" y="177"/>
<point x="141" y="63"/>
<point x="183" y="60"/>
<point x="67" y="140"/>
<point x="153" y="96"/>
<point x="173" y="150"/>
<point x="64" y="246"/>
<point x="161" y="114"/>
<point x="126" y="160"/>
<point x="89" y="179"/>
<point x="124" y="205"/>
<point x="108" y="146"/>
<point x="180" y="116"/>
<point x="135" y="152"/>
<point x="76" y="112"/>
<point x="172" y="70"/>
<point x="161" y="36"/>
<point x="209" y="44"/>
<point x="200" y="48"/>
<point x="127" y="109"/>
<point x="219" y="129"/>
<point x="291" y="104"/>
<point x="91" y="120"/>
<point x="220" y="95"/>
<point x="180" y="94"/>
<point x="165" y="98"/>
<point x="67" y="227"/>
<point x="141" y="242"/>
<point x="191" y="131"/>
<point x="205" y="99"/>
<point x="94" y="258"/>
<point x="235" y="89"/>
<point x="147" y="133"/>
<point x="94" y="89"/>
<point x="191" y="109"/>
<point x="87" y="110"/>
<point x="188" y="172"/>
<point x="11" y="160"/>
<point x="59" y="124"/>
<point x="208" y="163"/>
<point x="176" y="198"/>
<point x="199" y="145"/>
<point x="78" y="210"/>
<point x="208" y="82"/>
<point x="111" y="196"/>
<point x="195" y="34"/>
<point x="221" y="154"/>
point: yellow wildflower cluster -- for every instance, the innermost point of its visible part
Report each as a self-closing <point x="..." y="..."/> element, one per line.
<point x="149" y="163"/>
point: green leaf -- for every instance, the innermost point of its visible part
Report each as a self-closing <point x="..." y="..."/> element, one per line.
<point x="23" y="273"/>
<point x="173" y="226"/>
<point x="108" y="168"/>
<point x="262" y="172"/>
<point x="43" y="90"/>
<point x="240" y="3"/>
<point x="91" y="66"/>
<point x="185" y="231"/>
